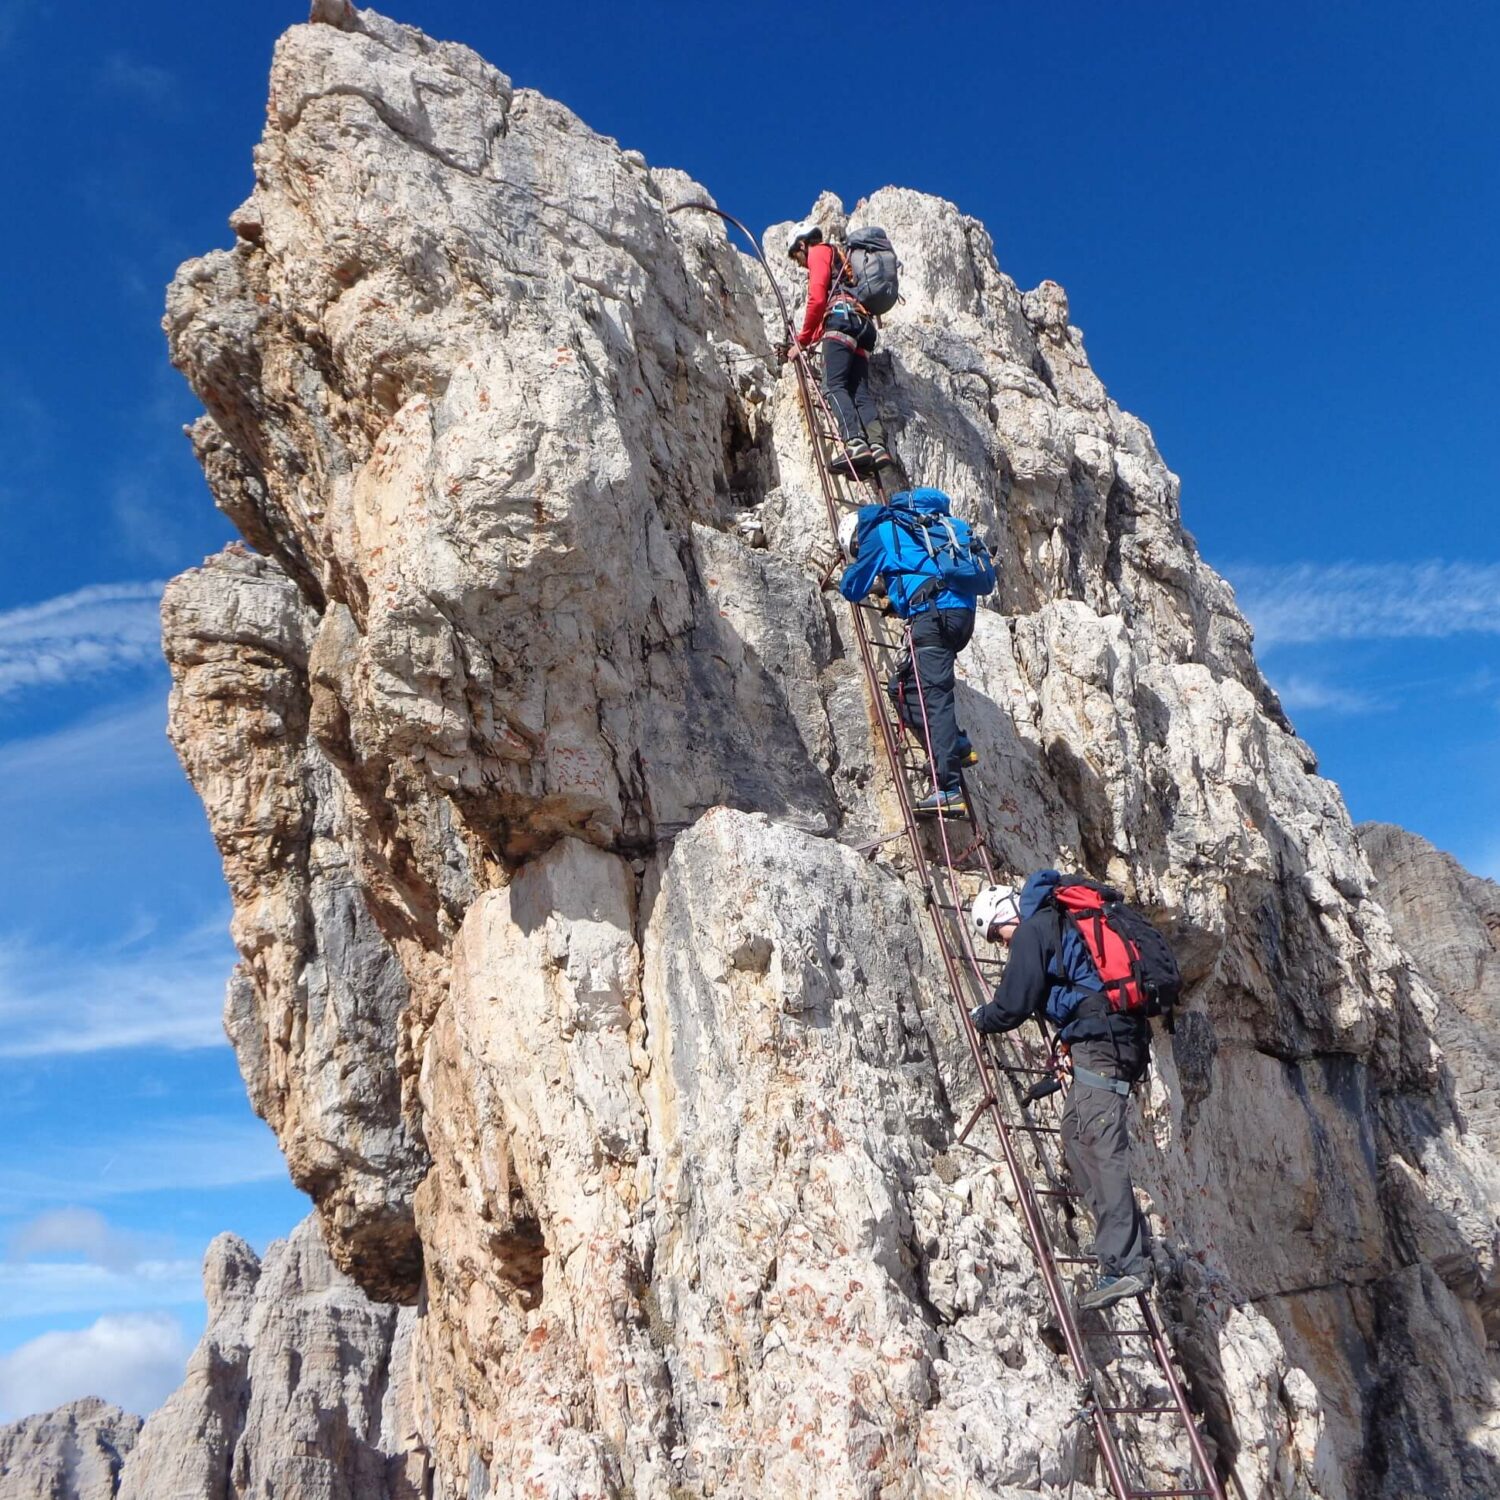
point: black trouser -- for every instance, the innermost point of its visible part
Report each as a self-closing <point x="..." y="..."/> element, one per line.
<point x="925" y="680"/>
<point x="846" y="369"/>
<point x="1097" y="1147"/>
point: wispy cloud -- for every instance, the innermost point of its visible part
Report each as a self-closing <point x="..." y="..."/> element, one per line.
<point x="125" y="745"/>
<point x="102" y="628"/>
<point x="1307" y="602"/>
<point x="194" y="1152"/>
<point x="134" y="1360"/>
<point x="136" y="79"/>
<point x="1301" y="693"/>
<point x="57" y="1289"/>
<point x="163" y="993"/>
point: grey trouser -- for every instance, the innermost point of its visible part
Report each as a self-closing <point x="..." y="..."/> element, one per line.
<point x="1098" y="1151"/>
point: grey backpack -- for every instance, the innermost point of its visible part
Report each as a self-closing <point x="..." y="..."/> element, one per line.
<point x="875" y="269"/>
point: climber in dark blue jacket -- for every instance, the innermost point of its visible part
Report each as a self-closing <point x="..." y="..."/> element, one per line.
<point x="933" y="570"/>
<point x="1102" y="1052"/>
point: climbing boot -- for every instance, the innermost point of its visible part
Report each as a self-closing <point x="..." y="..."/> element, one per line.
<point x="851" y="460"/>
<point x="967" y="754"/>
<point x="943" y="804"/>
<point x="884" y="464"/>
<point x="1111" y="1289"/>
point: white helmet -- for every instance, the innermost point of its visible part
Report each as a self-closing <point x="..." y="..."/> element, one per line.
<point x="995" y="905"/>
<point x="848" y="535"/>
<point x="809" y="231"/>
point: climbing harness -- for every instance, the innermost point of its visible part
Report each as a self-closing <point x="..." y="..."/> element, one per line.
<point x="1030" y="1151"/>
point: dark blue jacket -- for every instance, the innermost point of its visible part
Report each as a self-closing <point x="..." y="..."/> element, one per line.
<point x="1049" y="972"/>
<point x="886" y="549"/>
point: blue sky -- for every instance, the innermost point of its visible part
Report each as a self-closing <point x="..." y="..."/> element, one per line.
<point x="1277" y="227"/>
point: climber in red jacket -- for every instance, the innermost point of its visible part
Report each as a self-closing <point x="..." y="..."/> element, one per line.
<point x="835" y="316"/>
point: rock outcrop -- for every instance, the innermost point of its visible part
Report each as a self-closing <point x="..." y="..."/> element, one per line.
<point x="300" y="1387"/>
<point x="1449" y="921"/>
<point x="73" y="1453"/>
<point x="530" y="743"/>
<point x="297" y="1388"/>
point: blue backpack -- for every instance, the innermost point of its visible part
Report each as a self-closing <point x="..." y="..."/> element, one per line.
<point x="960" y="561"/>
<point x="928" y="558"/>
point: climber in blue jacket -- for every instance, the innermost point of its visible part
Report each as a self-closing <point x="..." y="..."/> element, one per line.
<point x="934" y="570"/>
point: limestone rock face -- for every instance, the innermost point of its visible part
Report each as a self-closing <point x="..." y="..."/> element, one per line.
<point x="73" y="1453"/>
<point x="531" y="745"/>
<point x="296" y="1388"/>
<point x="1449" y="921"/>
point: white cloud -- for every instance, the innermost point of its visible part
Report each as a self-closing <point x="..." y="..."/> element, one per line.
<point x="166" y="993"/>
<point x="102" y="628"/>
<point x="87" y="1233"/>
<point x="135" y="1360"/>
<point x="1305" y="602"/>
<point x="1298" y="693"/>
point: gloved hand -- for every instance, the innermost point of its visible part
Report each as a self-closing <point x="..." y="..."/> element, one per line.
<point x="783" y="352"/>
<point x="974" y="1016"/>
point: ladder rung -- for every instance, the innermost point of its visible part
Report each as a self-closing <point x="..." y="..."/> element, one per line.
<point x="1038" y="1129"/>
<point x="1076" y="1260"/>
<point x="1048" y="1192"/>
<point x="1161" y="1494"/>
<point x="1140" y="1411"/>
<point x="1028" y="1072"/>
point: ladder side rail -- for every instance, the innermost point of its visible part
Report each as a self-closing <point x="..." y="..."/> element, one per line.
<point x="1163" y="1352"/>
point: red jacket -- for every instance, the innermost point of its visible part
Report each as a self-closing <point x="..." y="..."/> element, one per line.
<point x="821" y="260"/>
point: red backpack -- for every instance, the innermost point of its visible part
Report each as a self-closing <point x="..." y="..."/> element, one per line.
<point x="1137" y="969"/>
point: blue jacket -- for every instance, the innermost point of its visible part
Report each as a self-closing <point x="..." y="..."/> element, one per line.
<point x="886" y="549"/>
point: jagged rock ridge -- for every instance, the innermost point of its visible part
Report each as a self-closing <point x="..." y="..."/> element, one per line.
<point x="1449" y="921"/>
<point x="73" y="1453"/>
<point x="290" y="1392"/>
<point x="529" y="772"/>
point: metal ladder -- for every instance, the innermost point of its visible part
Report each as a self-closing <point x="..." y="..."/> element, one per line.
<point x="1032" y="1152"/>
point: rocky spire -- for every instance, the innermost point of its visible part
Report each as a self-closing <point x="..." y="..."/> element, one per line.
<point x="532" y="777"/>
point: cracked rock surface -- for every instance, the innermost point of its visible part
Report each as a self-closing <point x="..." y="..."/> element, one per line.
<point x="297" y="1388"/>
<point x="532" y="748"/>
<point x="73" y="1453"/>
